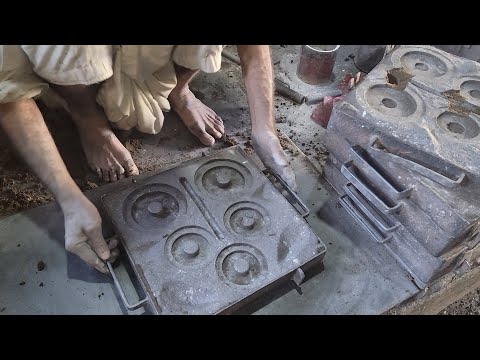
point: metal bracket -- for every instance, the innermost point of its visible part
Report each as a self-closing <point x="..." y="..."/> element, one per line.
<point x="298" y="278"/>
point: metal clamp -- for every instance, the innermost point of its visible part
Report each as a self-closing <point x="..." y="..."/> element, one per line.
<point x="122" y="294"/>
<point x="290" y="192"/>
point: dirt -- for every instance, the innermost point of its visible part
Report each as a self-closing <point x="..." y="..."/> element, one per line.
<point x="285" y="143"/>
<point x="21" y="192"/>
<point x="398" y="78"/>
<point x="468" y="305"/>
<point x="133" y="145"/>
<point x="41" y="265"/>
<point x="456" y="102"/>
<point x="229" y="141"/>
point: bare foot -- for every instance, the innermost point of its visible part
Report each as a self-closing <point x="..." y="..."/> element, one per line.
<point x="105" y="153"/>
<point x="202" y="121"/>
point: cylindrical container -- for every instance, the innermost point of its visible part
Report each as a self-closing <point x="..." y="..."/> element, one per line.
<point x="368" y="56"/>
<point x="316" y="63"/>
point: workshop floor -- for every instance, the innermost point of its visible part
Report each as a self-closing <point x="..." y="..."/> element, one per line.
<point x="20" y="189"/>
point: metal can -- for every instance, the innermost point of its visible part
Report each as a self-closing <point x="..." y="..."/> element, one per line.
<point x="316" y="63"/>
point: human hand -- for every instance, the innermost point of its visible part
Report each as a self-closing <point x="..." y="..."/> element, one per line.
<point x="268" y="148"/>
<point x="83" y="234"/>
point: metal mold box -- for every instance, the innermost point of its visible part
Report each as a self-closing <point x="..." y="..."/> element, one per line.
<point x="210" y="235"/>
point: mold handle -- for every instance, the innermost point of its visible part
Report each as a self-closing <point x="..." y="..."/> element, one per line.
<point x="122" y="294"/>
<point x="377" y="149"/>
<point x="292" y="193"/>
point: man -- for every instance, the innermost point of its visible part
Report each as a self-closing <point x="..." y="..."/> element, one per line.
<point x="126" y="87"/>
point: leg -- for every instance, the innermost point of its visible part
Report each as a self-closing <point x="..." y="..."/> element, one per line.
<point x="202" y="121"/>
<point x="105" y="153"/>
<point x="23" y="123"/>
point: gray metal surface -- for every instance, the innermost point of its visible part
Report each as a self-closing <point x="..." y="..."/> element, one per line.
<point x="210" y="233"/>
<point x="437" y="71"/>
<point x="359" y="276"/>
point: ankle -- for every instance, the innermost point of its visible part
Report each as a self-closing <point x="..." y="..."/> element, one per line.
<point x="91" y="124"/>
<point x="180" y="93"/>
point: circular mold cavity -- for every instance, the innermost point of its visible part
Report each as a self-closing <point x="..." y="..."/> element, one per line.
<point x="471" y="88"/>
<point x="391" y="101"/>
<point x="423" y="64"/>
<point x="154" y="206"/>
<point x="189" y="247"/>
<point x="222" y="177"/>
<point x="247" y="219"/>
<point x="475" y="93"/>
<point x="458" y="126"/>
<point x="241" y="264"/>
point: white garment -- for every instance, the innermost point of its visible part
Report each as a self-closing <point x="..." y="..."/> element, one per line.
<point x="137" y="79"/>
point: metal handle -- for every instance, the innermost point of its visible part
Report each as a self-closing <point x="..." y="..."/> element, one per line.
<point x="122" y="294"/>
<point x="374" y="199"/>
<point x="290" y="191"/>
<point x="360" y="219"/>
<point x="375" y="176"/>
<point x="356" y="198"/>
<point x="414" y="166"/>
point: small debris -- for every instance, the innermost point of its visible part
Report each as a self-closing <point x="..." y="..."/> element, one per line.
<point x="41" y="265"/>
<point x="18" y="245"/>
<point x="91" y="184"/>
<point x="398" y="78"/>
<point x="3" y="309"/>
<point x="337" y="205"/>
<point x="22" y="283"/>
<point x="41" y="284"/>
<point x="134" y="181"/>
<point x="100" y="295"/>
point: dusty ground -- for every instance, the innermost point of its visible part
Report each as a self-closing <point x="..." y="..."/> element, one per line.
<point x="468" y="305"/>
<point x="20" y="189"/>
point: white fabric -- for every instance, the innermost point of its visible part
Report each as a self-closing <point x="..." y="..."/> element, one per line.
<point x="137" y="78"/>
<point x="17" y="79"/>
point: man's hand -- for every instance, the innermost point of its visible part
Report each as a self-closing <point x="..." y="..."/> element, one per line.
<point x="268" y="148"/>
<point x="23" y="122"/>
<point x="83" y="234"/>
